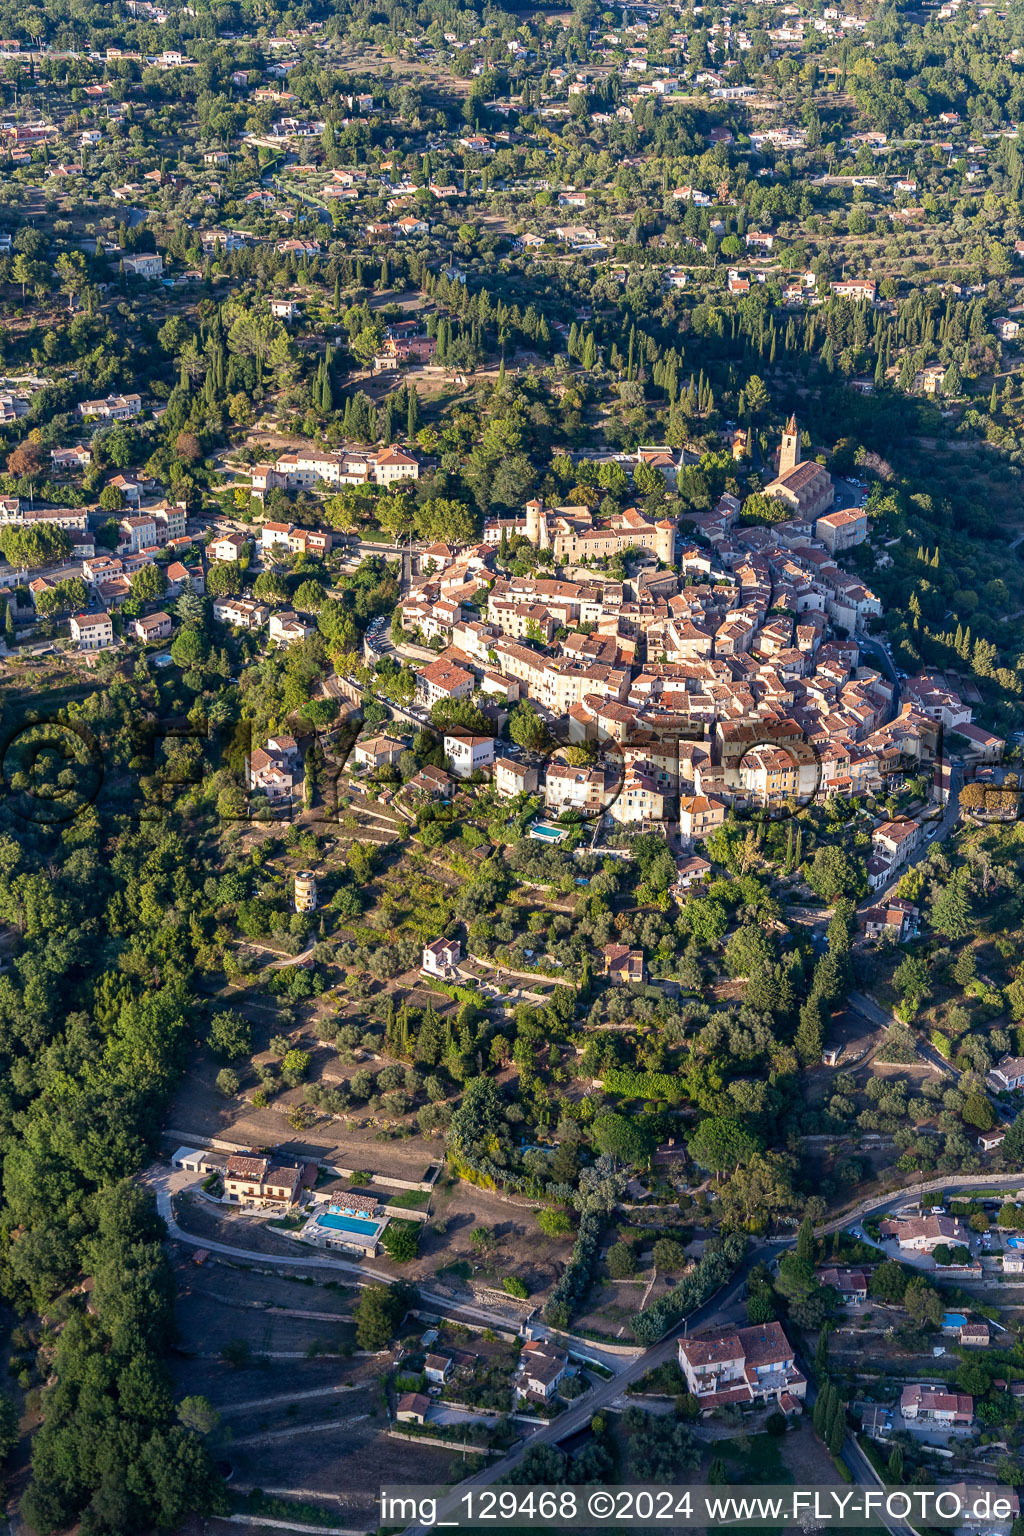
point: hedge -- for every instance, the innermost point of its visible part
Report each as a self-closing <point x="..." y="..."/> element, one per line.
<point x="710" y="1272"/>
<point x="578" y="1273"/>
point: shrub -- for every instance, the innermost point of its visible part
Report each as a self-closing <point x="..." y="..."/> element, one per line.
<point x="555" y="1222"/>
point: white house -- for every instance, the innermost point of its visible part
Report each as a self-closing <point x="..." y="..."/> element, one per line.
<point x="92" y="631"/>
<point x="466" y="752"/>
<point x="1009" y="1073"/>
<point x="742" y="1365"/>
<point x="922" y="1234"/>
<point x="441" y="956"/>
<point x="541" y="1367"/>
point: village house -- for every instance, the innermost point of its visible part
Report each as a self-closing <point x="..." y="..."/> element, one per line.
<point x="257" y="1181"/>
<point x="742" y="1365"/>
<point x="443" y="680"/>
<point x="378" y="752"/>
<point x="437" y="1369"/>
<point x="542" y="1367"/>
<point x="289" y="629"/>
<point x="894" y="841"/>
<point x="623" y="964"/>
<point x="413" y="1408"/>
<point x="466" y="752"/>
<point x="227" y="546"/>
<point x="113" y="408"/>
<point x="271" y="770"/>
<point x="92" y="631"/>
<point x="512" y="778"/>
<point x="842" y="530"/>
<point x="1009" y="1073"/>
<point x="852" y="1284"/>
<point x="923" y="1234"/>
<point x="153" y="626"/>
<point x="432" y="782"/>
<point x="929" y="1405"/>
<point x="699" y="815"/>
<point x="240" y="612"/>
<point x="441" y="957"/>
<point x="893" y="923"/>
<point x="148" y="266"/>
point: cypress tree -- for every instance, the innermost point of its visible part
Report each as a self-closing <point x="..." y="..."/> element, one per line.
<point x="823" y="1408"/>
<point x="821" y="1353"/>
<point x="837" y="1429"/>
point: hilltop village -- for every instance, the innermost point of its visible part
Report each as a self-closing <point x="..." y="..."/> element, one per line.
<point x="511" y="661"/>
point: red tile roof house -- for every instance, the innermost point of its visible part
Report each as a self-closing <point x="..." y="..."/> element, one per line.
<point x="895" y="841"/>
<point x="922" y="1234"/>
<point x="433" y="782"/>
<point x="443" y="680"/>
<point x="852" y="1284"/>
<point x="413" y="1408"/>
<point x="441" y="956"/>
<point x="741" y="1365"/>
<point x="891" y="923"/>
<point x="622" y="963"/>
<point x="930" y="1406"/>
<point x="250" y="1179"/>
<point x="269" y="773"/>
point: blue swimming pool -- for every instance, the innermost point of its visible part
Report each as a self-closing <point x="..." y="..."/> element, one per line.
<point x="548" y="834"/>
<point x="953" y="1319"/>
<point x="347" y="1224"/>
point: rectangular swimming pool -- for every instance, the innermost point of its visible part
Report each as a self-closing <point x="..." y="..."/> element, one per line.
<point x="548" y="834"/>
<point x="347" y="1224"/>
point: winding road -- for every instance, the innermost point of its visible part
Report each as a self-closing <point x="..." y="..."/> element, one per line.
<point x="721" y="1309"/>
